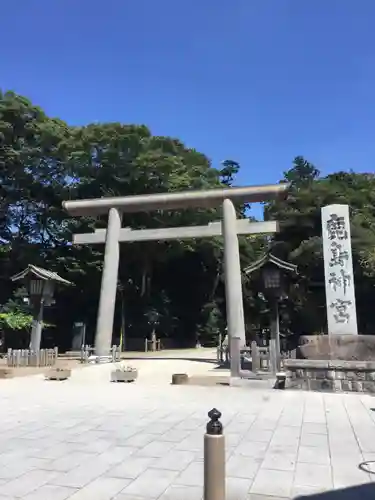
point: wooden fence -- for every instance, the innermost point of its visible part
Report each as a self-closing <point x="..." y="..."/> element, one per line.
<point x="259" y="357"/>
<point x="87" y="354"/>
<point x="25" y="357"/>
<point x="152" y="345"/>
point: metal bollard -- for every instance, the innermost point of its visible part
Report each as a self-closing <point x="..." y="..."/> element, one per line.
<point x="214" y="458"/>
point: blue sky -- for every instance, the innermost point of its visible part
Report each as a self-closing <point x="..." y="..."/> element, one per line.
<point x="256" y="81"/>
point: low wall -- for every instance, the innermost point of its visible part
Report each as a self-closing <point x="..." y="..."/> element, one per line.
<point x="341" y="347"/>
<point x="326" y="375"/>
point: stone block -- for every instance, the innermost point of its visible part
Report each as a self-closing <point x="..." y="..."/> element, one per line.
<point x="275" y="483"/>
<point x="289" y="383"/>
<point x="192" y="475"/>
<point x="352" y="365"/>
<point x="337" y="387"/>
<point x="341" y="347"/>
<point x="173" y="492"/>
<point x="180" y="379"/>
<point x="304" y="385"/>
<point x="58" y="374"/>
<point x="327" y="385"/>
<point x="101" y="487"/>
<point x="321" y="385"/>
<point x="369" y="387"/>
<point x="357" y="386"/>
<point x="314" y="385"/>
<point x="320" y="374"/>
<point x="314" y="475"/>
<point x="346" y="385"/>
<point x="6" y="373"/>
<point x="300" y="384"/>
<point x="370" y="376"/>
<point x="305" y="364"/>
<point x="351" y="376"/>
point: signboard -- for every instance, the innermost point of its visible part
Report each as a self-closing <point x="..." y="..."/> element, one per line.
<point x="338" y="270"/>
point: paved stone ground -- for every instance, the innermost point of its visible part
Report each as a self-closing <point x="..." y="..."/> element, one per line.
<point x="87" y="439"/>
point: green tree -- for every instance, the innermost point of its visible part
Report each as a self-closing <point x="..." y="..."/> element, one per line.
<point x="229" y="171"/>
<point x="302" y="173"/>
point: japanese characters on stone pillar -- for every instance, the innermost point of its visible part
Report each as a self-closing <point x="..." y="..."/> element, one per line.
<point x="338" y="270"/>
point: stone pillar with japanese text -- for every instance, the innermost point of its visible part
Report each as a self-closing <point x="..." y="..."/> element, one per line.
<point x="338" y="270"/>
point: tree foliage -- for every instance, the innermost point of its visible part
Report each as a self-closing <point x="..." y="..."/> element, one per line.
<point x="44" y="161"/>
<point x="15" y="320"/>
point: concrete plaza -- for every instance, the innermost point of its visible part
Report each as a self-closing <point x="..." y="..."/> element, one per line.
<point x="88" y="439"/>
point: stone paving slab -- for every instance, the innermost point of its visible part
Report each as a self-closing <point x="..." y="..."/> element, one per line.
<point x="85" y="440"/>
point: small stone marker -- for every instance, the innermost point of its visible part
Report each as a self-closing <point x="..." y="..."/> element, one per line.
<point x="6" y="373"/>
<point x="180" y="379"/>
<point x="280" y="380"/>
<point x="58" y="374"/>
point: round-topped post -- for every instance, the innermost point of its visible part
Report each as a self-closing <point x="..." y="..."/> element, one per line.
<point x="214" y="458"/>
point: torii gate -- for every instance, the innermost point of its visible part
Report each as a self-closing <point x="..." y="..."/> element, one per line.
<point x="229" y="228"/>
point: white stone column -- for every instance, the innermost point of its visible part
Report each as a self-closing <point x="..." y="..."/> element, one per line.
<point x="233" y="283"/>
<point x="108" y="289"/>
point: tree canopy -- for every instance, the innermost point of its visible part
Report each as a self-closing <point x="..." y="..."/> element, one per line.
<point x="44" y="161"/>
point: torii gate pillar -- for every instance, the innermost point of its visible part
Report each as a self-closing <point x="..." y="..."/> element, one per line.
<point x="108" y="288"/>
<point x="233" y="277"/>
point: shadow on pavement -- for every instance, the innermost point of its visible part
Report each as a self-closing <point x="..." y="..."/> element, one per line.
<point x="362" y="492"/>
<point x="246" y="365"/>
<point x="167" y="358"/>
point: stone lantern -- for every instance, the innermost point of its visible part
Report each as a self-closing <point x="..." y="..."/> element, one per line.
<point x="273" y="273"/>
<point x="40" y="285"/>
